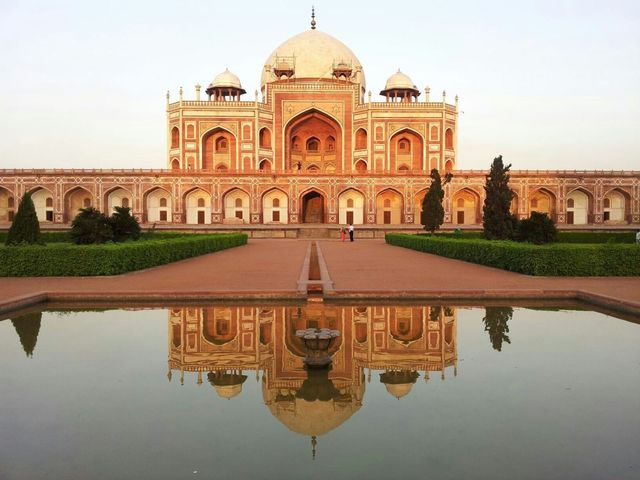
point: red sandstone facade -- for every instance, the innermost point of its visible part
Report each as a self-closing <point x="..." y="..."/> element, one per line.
<point x="314" y="148"/>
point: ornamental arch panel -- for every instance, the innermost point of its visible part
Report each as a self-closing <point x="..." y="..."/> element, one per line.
<point x="275" y="206"/>
<point x="75" y="199"/>
<point x="313" y="203"/>
<point x="313" y="138"/>
<point x="406" y="150"/>
<point x="236" y="206"/>
<point x="197" y="207"/>
<point x="219" y="147"/>
<point x="7" y="205"/>
<point x="389" y="207"/>
<point x="43" y="203"/>
<point x="579" y="207"/>
<point x="117" y="197"/>
<point x="351" y="207"/>
<point x="418" y="198"/>
<point x="466" y="207"/>
<point x="616" y="207"/>
<point x="543" y="201"/>
<point x="157" y="205"/>
<point x="265" y="138"/>
<point x="361" y="139"/>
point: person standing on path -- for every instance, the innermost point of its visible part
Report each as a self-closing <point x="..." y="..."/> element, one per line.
<point x="343" y="235"/>
<point x="351" y="232"/>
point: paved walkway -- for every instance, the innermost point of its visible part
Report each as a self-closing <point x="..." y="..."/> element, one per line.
<point x="362" y="269"/>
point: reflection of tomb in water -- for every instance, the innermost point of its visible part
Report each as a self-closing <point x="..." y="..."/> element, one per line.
<point x="404" y="343"/>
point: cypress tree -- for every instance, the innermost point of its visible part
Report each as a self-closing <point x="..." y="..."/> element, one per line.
<point x="27" y="327"/>
<point x="496" y="323"/>
<point x="432" y="215"/>
<point x="497" y="222"/>
<point x="25" y="228"/>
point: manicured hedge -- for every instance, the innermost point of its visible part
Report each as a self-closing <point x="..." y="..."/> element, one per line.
<point x="596" y="237"/>
<point x="553" y="260"/>
<point x="63" y="259"/>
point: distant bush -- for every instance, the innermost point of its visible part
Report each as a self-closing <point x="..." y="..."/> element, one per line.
<point x="90" y="226"/>
<point x="553" y="260"/>
<point x="124" y="226"/>
<point x="596" y="237"/>
<point x="538" y="229"/>
<point x="61" y="259"/>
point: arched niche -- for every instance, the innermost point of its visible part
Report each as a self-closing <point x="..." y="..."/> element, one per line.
<point x="7" y="205"/>
<point x="74" y="200"/>
<point x="218" y="150"/>
<point x="265" y="138"/>
<point x="417" y="206"/>
<point x="466" y="207"/>
<point x="236" y="206"/>
<point x="43" y="203"/>
<point x="275" y="207"/>
<point x="543" y="201"/>
<point x="118" y="197"/>
<point x="313" y="138"/>
<point x="158" y="205"/>
<point x="361" y="139"/>
<point x="616" y="207"/>
<point x="313" y="207"/>
<point x="579" y="207"/>
<point x="198" y="207"/>
<point x="351" y="208"/>
<point x="406" y="151"/>
<point x="389" y="207"/>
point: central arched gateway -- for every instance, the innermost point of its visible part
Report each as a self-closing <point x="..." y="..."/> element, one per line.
<point x="313" y="207"/>
<point x="313" y="143"/>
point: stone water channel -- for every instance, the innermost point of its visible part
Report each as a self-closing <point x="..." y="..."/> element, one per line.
<point x="220" y="391"/>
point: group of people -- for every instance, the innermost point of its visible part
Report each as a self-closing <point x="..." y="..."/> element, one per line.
<point x="344" y="231"/>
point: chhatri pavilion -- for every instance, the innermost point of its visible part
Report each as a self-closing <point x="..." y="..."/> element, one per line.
<point x="313" y="147"/>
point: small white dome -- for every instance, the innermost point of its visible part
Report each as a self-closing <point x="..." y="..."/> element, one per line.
<point x="226" y="79"/>
<point x="399" y="81"/>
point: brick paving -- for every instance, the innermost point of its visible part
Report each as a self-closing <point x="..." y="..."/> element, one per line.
<point x="271" y="268"/>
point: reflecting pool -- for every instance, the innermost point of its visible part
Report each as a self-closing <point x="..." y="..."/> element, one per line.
<point x="413" y="392"/>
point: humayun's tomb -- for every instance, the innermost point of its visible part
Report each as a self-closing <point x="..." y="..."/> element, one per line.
<point x="313" y="148"/>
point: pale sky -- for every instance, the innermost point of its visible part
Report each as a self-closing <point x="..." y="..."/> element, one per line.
<point x="547" y="84"/>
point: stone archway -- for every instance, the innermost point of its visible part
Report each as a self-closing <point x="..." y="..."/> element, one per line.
<point x="312" y="207"/>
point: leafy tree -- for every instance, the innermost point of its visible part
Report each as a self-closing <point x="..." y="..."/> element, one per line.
<point x="25" y="228"/>
<point x="498" y="223"/>
<point x="432" y="215"/>
<point x="90" y="226"/>
<point x="496" y="323"/>
<point x="124" y="225"/>
<point x="27" y="327"/>
<point x="538" y="229"/>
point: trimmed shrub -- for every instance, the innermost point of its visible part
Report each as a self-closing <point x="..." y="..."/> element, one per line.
<point x="124" y="225"/>
<point x="537" y="229"/>
<point x="551" y="260"/>
<point x="596" y="237"/>
<point x="90" y="226"/>
<point x="109" y="259"/>
<point x="25" y="228"/>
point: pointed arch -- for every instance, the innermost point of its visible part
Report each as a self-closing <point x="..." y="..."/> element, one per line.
<point x="361" y="165"/>
<point x="158" y="205"/>
<point x="175" y="137"/>
<point x="448" y="139"/>
<point x="579" y="206"/>
<point x="197" y="202"/>
<point x="265" y="138"/>
<point x="417" y="205"/>
<point x="7" y="205"/>
<point x="303" y="130"/>
<point x="406" y="150"/>
<point x="616" y="206"/>
<point x="542" y="200"/>
<point x="389" y="207"/>
<point x="43" y="202"/>
<point x="265" y="165"/>
<point x="219" y="325"/>
<point x="466" y="207"/>
<point x="117" y="196"/>
<point x="275" y="206"/>
<point x="313" y="202"/>
<point x="361" y="139"/>
<point x="74" y="199"/>
<point x="236" y="206"/>
<point x="218" y="146"/>
<point x="351" y="207"/>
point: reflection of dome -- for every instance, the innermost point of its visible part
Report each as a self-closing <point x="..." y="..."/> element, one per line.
<point x="399" y="81"/>
<point x="399" y="383"/>
<point x="330" y="408"/>
<point x="226" y="79"/>
<point x="228" y="385"/>
<point x="315" y="54"/>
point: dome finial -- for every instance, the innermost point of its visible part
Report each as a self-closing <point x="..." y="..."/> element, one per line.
<point x="313" y="18"/>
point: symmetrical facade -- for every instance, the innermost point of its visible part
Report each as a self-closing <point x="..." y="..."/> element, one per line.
<point x="312" y="147"/>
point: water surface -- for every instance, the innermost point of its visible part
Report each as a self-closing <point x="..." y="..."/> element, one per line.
<point x="415" y="391"/>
